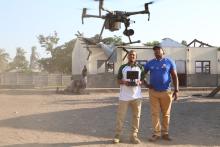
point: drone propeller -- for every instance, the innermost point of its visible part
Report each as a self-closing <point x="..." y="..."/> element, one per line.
<point x="100" y="6"/>
<point x="101" y="2"/>
<point x="83" y="14"/>
<point x="151" y="2"/>
<point x="147" y="9"/>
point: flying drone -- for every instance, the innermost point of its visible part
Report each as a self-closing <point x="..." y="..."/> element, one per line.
<point x="114" y="19"/>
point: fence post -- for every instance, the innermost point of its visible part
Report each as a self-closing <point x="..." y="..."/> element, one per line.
<point x="0" y="79"/>
<point x="16" y="78"/>
<point x="61" y="79"/>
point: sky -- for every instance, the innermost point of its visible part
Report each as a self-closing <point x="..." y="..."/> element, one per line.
<point x="23" y="20"/>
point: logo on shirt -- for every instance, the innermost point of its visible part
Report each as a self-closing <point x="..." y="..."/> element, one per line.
<point x="164" y="66"/>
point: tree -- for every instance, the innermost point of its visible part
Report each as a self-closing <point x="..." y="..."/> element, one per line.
<point x="153" y="43"/>
<point x="4" y="57"/>
<point x="19" y="62"/>
<point x="46" y="64"/>
<point x="112" y="40"/>
<point x="184" y="42"/>
<point x="61" y="62"/>
<point x="64" y="57"/>
<point x="49" y="42"/>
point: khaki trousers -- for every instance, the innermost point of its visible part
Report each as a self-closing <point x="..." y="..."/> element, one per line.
<point x="160" y="102"/>
<point x="121" y="113"/>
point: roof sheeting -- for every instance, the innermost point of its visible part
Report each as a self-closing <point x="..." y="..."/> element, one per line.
<point x="167" y="42"/>
<point x="109" y="50"/>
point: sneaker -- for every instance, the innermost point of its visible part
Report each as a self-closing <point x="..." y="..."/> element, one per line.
<point x="135" y="140"/>
<point x="166" y="137"/>
<point x="116" y="139"/>
<point x="154" y="138"/>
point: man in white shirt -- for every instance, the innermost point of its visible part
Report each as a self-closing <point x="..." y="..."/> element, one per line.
<point x="130" y="96"/>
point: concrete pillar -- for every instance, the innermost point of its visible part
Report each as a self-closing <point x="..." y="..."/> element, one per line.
<point x="218" y="66"/>
<point x="119" y="60"/>
<point x="188" y="66"/>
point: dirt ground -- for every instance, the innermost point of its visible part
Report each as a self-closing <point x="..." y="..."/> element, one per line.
<point x="36" y="118"/>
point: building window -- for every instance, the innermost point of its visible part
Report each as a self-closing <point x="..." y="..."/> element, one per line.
<point x="100" y="66"/>
<point x="109" y="66"/>
<point x="202" y="67"/>
<point x="105" y="66"/>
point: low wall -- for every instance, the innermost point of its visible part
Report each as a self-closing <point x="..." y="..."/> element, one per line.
<point x="202" y="80"/>
<point x="31" y="80"/>
<point x="104" y="80"/>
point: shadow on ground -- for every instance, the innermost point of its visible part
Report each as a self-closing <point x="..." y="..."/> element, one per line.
<point x="109" y="100"/>
<point x="27" y="91"/>
<point x="192" y="123"/>
<point x="60" y="144"/>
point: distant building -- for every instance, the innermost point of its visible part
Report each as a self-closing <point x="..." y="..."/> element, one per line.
<point x="196" y="66"/>
<point x="170" y="43"/>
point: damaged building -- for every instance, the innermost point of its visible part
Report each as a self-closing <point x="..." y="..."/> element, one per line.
<point x="198" y="63"/>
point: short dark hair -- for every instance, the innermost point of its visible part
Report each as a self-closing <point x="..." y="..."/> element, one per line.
<point x="157" y="47"/>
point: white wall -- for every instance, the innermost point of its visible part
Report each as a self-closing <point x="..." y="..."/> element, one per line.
<point x="97" y="54"/>
<point x="218" y="61"/>
<point x="142" y="54"/>
<point x="203" y="54"/>
<point x="120" y="55"/>
<point x="174" y="53"/>
<point x="79" y="56"/>
<point x="188" y="55"/>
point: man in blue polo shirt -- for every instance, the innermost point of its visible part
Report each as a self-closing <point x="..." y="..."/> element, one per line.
<point x="161" y="71"/>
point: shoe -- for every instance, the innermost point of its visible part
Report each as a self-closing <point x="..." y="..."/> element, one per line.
<point x="154" y="138"/>
<point x="135" y="140"/>
<point x="166" y="137"/>
<point x="116" y="139"/>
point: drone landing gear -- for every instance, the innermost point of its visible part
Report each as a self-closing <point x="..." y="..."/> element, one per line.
<point x="129" y="32"/>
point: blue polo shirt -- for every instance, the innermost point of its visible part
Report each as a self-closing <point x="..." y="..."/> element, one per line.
<point x="160" y="70"/>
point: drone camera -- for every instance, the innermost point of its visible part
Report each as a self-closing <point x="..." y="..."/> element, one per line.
<point x="132" y="75"/>
<point x="112" y="25"/>
<point x="128" y="32"/>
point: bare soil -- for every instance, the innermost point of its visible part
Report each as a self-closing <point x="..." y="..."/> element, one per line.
<point x="37" y="118"/>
